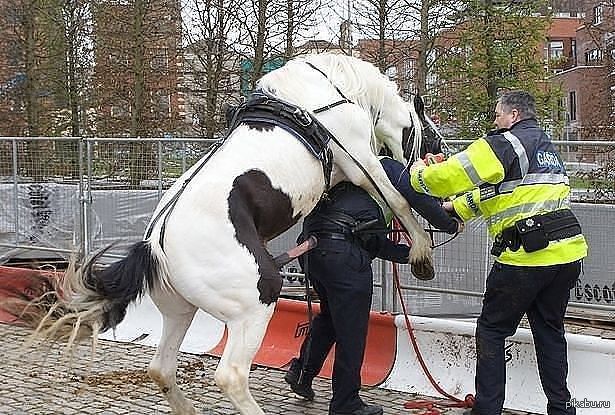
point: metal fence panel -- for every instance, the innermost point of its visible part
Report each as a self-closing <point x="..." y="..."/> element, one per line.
<point x="60" y="194"/>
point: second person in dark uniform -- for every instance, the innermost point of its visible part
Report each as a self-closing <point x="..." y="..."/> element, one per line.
<point x="340" y="270"/>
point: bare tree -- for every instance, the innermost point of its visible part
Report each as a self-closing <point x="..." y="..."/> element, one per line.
<point x="382" y="22"/>
<point x="427" y="19"/>
<point x="136" y="48"/>
<point x="400" y="37"/>
<point x="302" y="17"/>
<point x="211" y="68"/>
<point x="269" y="31"/>
<point x="77" y="24"/>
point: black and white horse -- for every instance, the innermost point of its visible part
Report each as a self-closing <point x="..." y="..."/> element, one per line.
<point x="207" y="244"/>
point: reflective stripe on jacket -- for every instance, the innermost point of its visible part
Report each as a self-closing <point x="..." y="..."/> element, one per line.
<point x="509" y="175"/>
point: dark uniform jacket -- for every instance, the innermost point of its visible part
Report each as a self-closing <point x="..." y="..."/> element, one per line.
<point x="427" y="206"/>
<point x="347" y="207"/>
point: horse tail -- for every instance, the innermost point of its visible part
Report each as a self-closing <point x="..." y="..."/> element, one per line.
<point x="89" y="299"/>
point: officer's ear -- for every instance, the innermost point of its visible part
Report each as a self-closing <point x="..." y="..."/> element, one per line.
<point x="516" y="115"/>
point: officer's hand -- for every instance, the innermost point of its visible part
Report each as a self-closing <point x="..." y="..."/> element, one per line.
<point x="434" y="158"/>
<point x="460" y="225"/>
<point x="448" y="206"/>
<point x="417" y="165"/>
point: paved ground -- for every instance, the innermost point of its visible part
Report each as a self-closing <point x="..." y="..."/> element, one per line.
<point x="40" y="382"/>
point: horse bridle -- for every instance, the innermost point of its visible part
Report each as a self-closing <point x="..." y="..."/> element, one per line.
<point x="344" y="100"/>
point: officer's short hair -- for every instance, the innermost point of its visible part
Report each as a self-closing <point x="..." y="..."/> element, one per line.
<point x="522" y="101"/>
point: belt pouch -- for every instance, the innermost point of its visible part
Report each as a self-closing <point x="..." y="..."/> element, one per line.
<point x="532" y="234"/>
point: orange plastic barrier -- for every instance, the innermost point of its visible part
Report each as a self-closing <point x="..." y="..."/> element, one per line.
<point x="289" y="326"/>
<point x="18" y="281"/>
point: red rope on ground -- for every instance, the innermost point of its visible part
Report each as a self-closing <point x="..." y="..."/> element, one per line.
<point x="428" y="405"/>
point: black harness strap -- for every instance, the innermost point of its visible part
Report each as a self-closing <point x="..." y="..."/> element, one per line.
<point x="270" y="110"/>
<point x="327" y="78"/>
<point x="328" y="107"/>
<point x="168" y="208"/>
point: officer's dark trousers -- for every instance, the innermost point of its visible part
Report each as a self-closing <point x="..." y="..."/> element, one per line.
<point x="341" y="275"/>
<point x="511" y="292"/>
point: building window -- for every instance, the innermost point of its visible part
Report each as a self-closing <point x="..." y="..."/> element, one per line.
<point x="574" y="51"/>
<point x="556" y="49"/>
<point x="117" y="59"/>
<point x="161" y="104"/>
<point x="121" y="109"/>
<point x="572" y="105"/>
<point x="15" y="56"/>
<point x="597" y="15"/>
<point x="160" y="59"/>
<point x="594" y="57"/>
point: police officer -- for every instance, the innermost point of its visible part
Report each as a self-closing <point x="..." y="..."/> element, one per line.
<point x="516" y="181"/>
<point x="340" y="271"/>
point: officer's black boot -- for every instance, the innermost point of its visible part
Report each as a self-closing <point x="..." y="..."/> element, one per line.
<point x="303" y="388"/>
<point x="364" y="410"/>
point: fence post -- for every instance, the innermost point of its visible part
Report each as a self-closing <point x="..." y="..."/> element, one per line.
<point x="15" y="191"/>
<point x="87" y="201"/>
<point x="81" y="198"/>
<point x="384" y="287"/>
<point x="159" y="169"/>
<point x="184" y="150"/>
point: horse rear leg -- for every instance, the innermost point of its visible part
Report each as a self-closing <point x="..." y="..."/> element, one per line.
<point x="245" y="335"/>
<point x="177" y="314"/>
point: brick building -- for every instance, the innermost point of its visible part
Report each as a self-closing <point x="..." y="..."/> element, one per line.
<point x="33" y="69"/>
<point x="589" y="86"/>
<point x="12" y="74"/>
<point x="129" y="45"/>
<point x="400" y="61"/>
<point x="560" y="45"/>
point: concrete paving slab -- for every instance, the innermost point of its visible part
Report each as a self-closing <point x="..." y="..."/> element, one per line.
<point x="43" y="381"/>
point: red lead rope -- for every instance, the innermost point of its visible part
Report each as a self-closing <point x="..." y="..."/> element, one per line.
<point x="428" y="406"/>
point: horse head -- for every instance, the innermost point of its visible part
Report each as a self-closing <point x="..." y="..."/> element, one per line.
<point x="423" y="139"/>
<point x="393" y="125"/>
<point x="419" y="135"/>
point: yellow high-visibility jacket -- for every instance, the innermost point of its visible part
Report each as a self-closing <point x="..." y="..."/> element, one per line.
<point x="507" y="176"/>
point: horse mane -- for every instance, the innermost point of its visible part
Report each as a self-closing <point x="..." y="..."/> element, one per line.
<point x="354" y="77"/>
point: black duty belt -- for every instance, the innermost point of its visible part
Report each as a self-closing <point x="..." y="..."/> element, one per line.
<point x="338" y="236"/>
<point x="535" y="233"/>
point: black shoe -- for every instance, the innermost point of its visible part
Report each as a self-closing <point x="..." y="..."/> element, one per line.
<point x="364" y="410"/>
<point x="470" y="412"/>
<point x="303" y="389"/>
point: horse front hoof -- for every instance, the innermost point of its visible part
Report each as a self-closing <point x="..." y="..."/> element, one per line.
<point x="423" y="270"/>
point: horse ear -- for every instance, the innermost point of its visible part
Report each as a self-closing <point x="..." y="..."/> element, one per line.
<point x="419" y="106"/>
